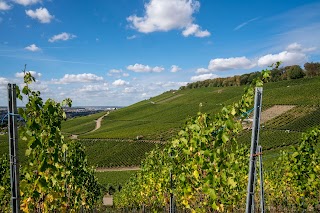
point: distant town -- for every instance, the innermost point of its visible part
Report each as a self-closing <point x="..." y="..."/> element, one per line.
<point x="70" y="111"/>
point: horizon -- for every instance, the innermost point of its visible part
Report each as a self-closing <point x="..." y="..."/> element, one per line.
<point x="117" y="54"/>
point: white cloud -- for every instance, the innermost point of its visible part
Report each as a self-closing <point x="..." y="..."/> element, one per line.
<point x="27" y="2"/>
<point x="157" y="69"/>
<point x="33" y="73"/>
<point x="62" y="36"/>
<point x="4" y="5"/>
<point x="167" y="15"/>
<point x="115" y="71"/>
<point x="175" y="68"/>
<point x="130" y="90"/>
<point x="41" y="14"/>
<point x="78" y="78"/>
<point x="295" y="47"/>
<point x="32" y="48"/>
<point x="171" y="84"/>
<point x="3" y="82"/>
<point x="125" y="74"/>
<point x="119" y="82"/>
<point x="222" y="64"/>
<point x="144" y="68"/>
<point x="202" y="70"/>
<point x="94" y="88"/>
<point x="288" y="58"/>
<point x="131" y="37"/>
<point x="195" y="30"/>
<point x="203" y="77"/>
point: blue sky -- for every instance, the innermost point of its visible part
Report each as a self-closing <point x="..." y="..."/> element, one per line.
<point x="118" y="52"/>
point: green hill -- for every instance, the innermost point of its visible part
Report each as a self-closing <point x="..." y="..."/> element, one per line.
<point x="161" y="117"/>
<point x="158" y="119"/>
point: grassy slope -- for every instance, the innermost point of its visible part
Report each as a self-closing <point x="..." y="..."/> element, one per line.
<point x="163" y="119"/>
<point x="81" y="125"/>
<point x="170" y="111"/>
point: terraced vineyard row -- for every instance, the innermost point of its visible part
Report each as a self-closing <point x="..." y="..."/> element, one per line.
<point x="106" y="153"/>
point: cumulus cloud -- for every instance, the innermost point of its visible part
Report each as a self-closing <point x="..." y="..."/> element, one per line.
<point x="175" y="68"/>
<point x="3" y="83"/>
<point x="27" y="2"/>
<point x="94" y="88"/>
<point x="167" y="15"/>
<point x="125" y="74"/>
<point x="33" y="73"/>
<point x="144" y="68"/>
<point x="78" y="78"/>
<point x="4" y="6"/>
<point x="296" y="47"/>
<point x="202" y="70"/>
<point x="41" y="14"/>
<point x="171" y="84"/>
<point x="62" y="37"/>
<point x="222" y="64"/>
<point x="119" y="82"/>
<point x="114" y="72"/>
<point x="203" y="77"/>
<point x="195" y="30"/>
<point x="32" y="48"/>
<point x="286" y="57"/>
<point x="130" y="90"/>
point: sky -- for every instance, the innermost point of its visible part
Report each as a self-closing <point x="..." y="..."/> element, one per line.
<point x="118" y="52"/>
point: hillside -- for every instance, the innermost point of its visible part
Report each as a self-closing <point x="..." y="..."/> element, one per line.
<point x="161" y="117"/>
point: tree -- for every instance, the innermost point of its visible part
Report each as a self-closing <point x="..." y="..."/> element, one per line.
<point x="312" y="69"/>
<point x="294" y="72"/>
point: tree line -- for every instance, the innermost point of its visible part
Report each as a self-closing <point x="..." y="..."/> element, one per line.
<point x="311" y="69"/>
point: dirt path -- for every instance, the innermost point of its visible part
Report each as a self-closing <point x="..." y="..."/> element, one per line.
<point x="268" y="114"/>
<point x="74" y="137"/>
<point x="169" y="99"/>
<point x="98" y="122"/>
<point x="274" y="111"/>
<point x="131" y="168"/>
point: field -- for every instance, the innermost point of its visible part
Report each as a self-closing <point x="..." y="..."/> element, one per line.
<point x="113" y="178"/>
<point x="81" y="125"/>
<point x="113" y="153"/>
<point x="159" y="119"/>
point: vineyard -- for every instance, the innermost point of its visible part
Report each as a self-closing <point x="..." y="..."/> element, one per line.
<point x="196" y="135"/>
<point x="113" y="153"/>
<point x="203" y="173"/>
<point x="81" y="124"/>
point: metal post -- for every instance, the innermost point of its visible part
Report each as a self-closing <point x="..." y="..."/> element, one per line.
<point x="261" y="181"/>
<point x="13" y="148"/>
<point x="254" y="144"/>
<point x="171" y="208"/>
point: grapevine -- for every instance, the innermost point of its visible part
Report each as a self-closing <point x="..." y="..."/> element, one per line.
<point x="56" y="177"/>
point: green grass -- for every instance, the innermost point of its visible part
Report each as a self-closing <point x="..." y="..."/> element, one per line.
<point x="4" y="148"/>
<point x="104" y="153"/>
<point x="114" y="178"/>
<point x="81" y="125"/>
